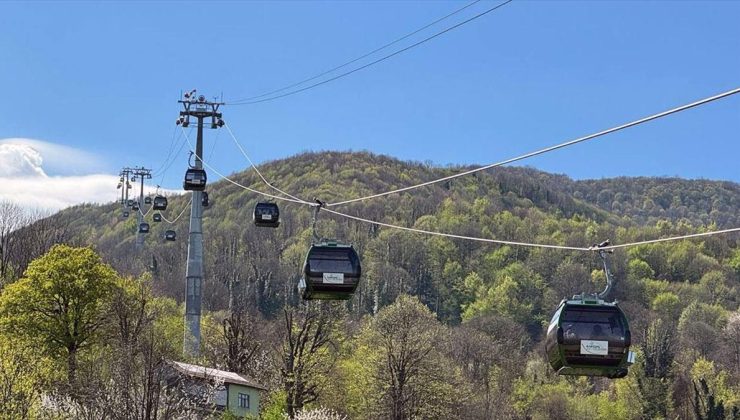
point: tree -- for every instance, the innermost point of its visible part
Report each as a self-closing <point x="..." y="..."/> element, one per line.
<point x="732" y="334"/>
<point x="516" y="293"/>
<point x="667" y="305"/>
<point x="414" y="379"/>
<point x="653" y="380"/>
<point x="12" y="217"/>
<point x="239" y="340"/>
<point x="309" y="330"/>
<point x="23" y="375"/>
<point x="62" y="302"/>
<point x="706" y="406"/>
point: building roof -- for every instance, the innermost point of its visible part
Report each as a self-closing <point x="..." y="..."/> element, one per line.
<point x="210" y="373"/>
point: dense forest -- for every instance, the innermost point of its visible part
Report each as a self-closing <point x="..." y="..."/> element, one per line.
<point x="439" y="328"/>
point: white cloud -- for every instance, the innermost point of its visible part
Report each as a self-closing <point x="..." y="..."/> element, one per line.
<point x="61" y="160"/>
<point x="20" y="160"/>
<point x="24" y="180"/>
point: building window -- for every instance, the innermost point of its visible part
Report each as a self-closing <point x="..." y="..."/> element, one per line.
<point x="243" y="400"/>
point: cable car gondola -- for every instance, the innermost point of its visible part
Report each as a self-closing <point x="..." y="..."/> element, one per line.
<point x="195" y="180"/>
<point x="125" y="214"/>
<point x="129" y="203"/>
<point x="157" y="217"/>
<point x="160" y="202"/>
<point x="144" y="227"/>
<point x="331" y="272"/>
<point x="147" y="200"/>
<point x="266" y="215"/>
<point x="589" y="337"/>
<point x="135" y="206"/>
<point x="170" y="235"/>
<point x="204" y="199"/>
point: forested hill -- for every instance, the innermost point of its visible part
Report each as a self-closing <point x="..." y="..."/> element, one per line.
<point x="482" y="308"/>
<point x="519" y="204"/>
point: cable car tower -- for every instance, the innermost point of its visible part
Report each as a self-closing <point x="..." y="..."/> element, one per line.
<point x="124" y="185"/>
<point x="195" y="180"/>
<point x="140" y="174"/>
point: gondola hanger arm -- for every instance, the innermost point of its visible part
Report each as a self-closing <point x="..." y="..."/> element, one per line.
<point x="317" y="207"/>
<point x="603" y="255"/>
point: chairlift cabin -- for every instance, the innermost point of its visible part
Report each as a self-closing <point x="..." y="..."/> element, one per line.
<point x="147" y="200"/>
<point x="195" y="180"/>
<point x="144" y="227"/>
<point x="589" y="337"/>
<point x="135" y="206"/>
<point x="170" y="235"/>
<point x="266" y="215"/>
<point x="204" y="199"/>
<point x="160" y="202"/>
<point x="331" y="272"/>
<point x="157" y="217"/>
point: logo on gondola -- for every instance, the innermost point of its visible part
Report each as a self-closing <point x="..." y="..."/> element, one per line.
<point x="595" y="347"/>
<point x="334" y="278"/>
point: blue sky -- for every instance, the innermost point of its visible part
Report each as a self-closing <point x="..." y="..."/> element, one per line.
<point x="104" y="78"/>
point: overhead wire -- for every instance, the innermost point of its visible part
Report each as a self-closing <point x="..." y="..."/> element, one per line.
<point x="238" y="184"/>
<point x="167" y="162"/>
<point x="164" y="171"/>
<point x="345" y="64"/>
<point x="241" y="149"/>
<point x="187" y="206"/>
<point x="169" y="151"/>
<point x="548" y="149"/>
<point x="478" y="239"/>
<point x="534" y="245"/>
<point x="142" y="213"/>
<point x="673" y="238"/>
<point x="393" y="226"/>
<point x="449" y="235"/>
<point x="372" y="63"/>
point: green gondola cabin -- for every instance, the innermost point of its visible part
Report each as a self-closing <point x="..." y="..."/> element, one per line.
<point x="331" y="272"/>
<point x="589" y="337"/>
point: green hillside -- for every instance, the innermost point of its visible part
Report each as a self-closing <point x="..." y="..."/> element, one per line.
<point x="519" y="204"/>
<point x="492" y="301"/>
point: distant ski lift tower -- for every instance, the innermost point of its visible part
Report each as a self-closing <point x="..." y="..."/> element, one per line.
<point x="124" y="185"/>
<point x="196" y="107"/>
<point x="140" y="173"/>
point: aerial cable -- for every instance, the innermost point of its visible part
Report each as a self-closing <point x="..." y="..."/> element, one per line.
<point x="187" y="206"/>
<point x="157" y="171"/>
<point x="551" y="148"/>
<point x="339" y="76"/>
<point x="164" y="171"/>
<point x="239" y="146"/>
<point x="238" y="184"/>
<point x="323" y="205"/>
<point x="272" y="92"/>
<point x="450" y="235"/>
<point x="170" y="160"/>
<point x="533" y="245"/>
<point x="142" y="213"/>
<point x="169" y="151"/>
<point x="673" y="238"/>
<point x="213" y="146"/>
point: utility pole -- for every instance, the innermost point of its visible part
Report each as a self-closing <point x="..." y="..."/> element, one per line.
<point x="140" y="173"/>
<point x="200" y="109"/>
<point x="124" y="185"/>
